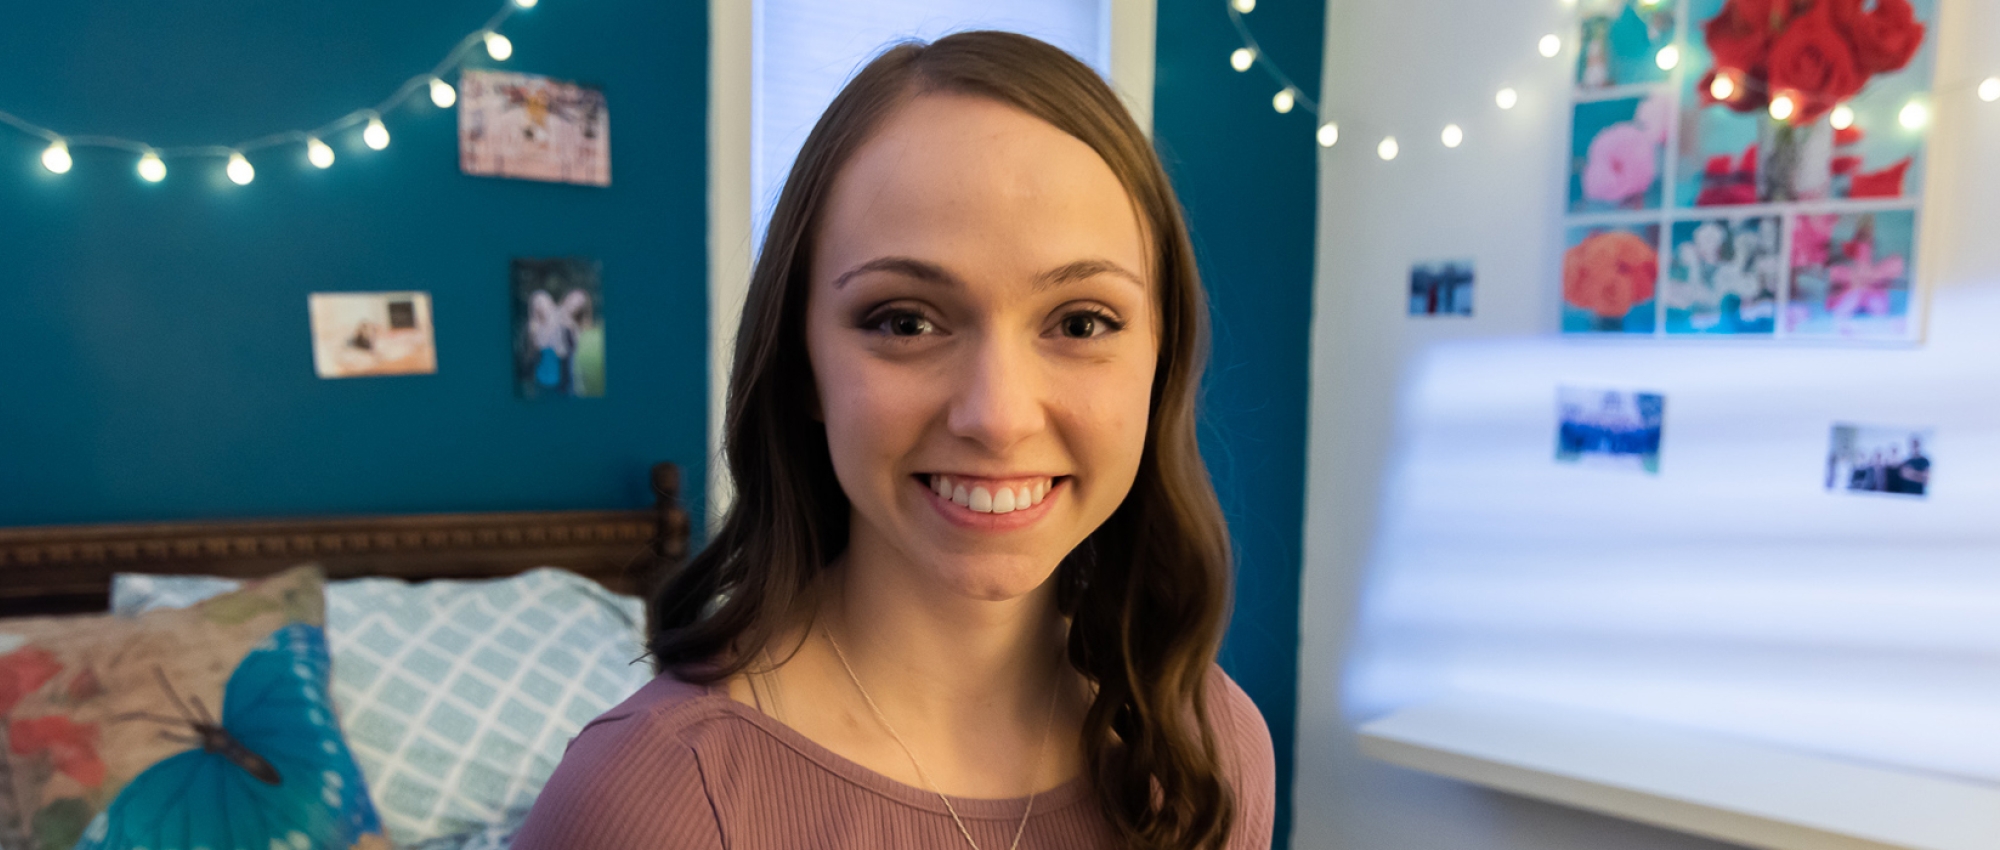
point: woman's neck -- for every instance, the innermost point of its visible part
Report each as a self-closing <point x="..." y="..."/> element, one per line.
<point x="978" y="689"/>
<point x="937" y="653"/>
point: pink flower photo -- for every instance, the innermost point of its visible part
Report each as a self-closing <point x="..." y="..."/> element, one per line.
<point x="1616" y="153"/>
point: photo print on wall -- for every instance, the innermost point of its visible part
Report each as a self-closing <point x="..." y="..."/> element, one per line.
<point x="362" y="334"/>
<point x="558" y="328"/>
<point x="1615" y="153"/>
<point x="1864" y="459"/>
<point x="1725" y="276"/>
<point x="1851" y="275"/>
<point x="533" y="128"/>
<point x="1441" y="289"/>
<point x="1610" y="274"/>
<point x="1778" y="149"/>
<point x="1621" y="39"/>
<point x="1614" y="429"/>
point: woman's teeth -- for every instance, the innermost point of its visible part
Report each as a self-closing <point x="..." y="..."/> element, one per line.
<point x="992" y="499"/>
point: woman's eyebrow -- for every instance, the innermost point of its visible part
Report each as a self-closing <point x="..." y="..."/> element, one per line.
<point x="934" y="273"/>
<point x="1083" y="269"/>
<point x="905" y="266"/>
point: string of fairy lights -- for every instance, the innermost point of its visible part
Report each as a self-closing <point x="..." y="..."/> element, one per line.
<point x="152" y="160"/>
<point x="1783" y="105"/>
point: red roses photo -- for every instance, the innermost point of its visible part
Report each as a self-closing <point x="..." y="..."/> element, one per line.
<point x="1818" y="52"/>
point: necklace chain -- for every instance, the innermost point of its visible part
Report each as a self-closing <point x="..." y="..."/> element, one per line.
<point x="1041" y="750"/>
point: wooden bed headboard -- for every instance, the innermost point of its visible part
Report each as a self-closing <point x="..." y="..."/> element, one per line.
<point x="68" y="569"/>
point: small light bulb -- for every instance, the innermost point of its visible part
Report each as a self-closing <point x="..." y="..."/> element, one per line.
<point x="1551" y="45"/>
<point x="1282" y="101"/>
<point x="240" y="171"/>
<point x="56" y="158"/>
<point x="151" y="169"/>
<point x="1244" y="6"/>
<point x="318" y="153"/>
<point x="1668" y="57"/>
<point x="1454" y="135"/>
<point x="1783" y="106"/>
<point x="498" y="47"/>
<point x="526" y="4"/>
<point x="1842" y="117"/>
<point x="1242" y="58"/>
<point x="1388" y="149"/>
<point x="1989" y="90"/>
<point x="1328" y="134"/>
<point x="1914" y="115"/>
<point x="1723" y="87"/>
<point x="1506" y="98"/>
<point x="377" y="136"/>
<point x="443" y="94"/>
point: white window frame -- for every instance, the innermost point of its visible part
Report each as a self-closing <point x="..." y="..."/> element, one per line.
<point x="730" y="203"/>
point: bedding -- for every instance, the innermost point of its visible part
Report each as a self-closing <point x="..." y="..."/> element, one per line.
<point x="458" y="697"/>
<point x="208" y="726"/>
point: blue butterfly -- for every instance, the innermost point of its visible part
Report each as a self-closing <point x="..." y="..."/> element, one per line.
<point x="275" y="774"/>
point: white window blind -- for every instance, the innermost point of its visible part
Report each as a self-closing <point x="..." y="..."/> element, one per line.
<point x="803" y="51"/>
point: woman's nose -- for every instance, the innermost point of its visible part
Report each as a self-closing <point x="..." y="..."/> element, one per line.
<point x="999" y="400"/>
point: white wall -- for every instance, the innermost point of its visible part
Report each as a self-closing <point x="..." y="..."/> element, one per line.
<point x="1441" y="544"/>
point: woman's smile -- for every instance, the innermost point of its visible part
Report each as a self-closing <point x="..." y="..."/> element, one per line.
<point x="991" y="504"/>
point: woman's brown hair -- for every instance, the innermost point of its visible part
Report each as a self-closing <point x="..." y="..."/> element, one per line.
<point x="1147" y="593"/>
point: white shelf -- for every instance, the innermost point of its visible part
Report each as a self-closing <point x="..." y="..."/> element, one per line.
<point x="1743" y="792"/>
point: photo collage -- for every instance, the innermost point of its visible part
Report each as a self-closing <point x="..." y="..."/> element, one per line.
<point x="1743" y="172"/>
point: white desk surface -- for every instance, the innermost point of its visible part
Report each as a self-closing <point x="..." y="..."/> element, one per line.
<point x="1749" y="793"/>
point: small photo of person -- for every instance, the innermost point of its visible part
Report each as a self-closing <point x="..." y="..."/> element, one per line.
<point x="558" y="328"/>
<point x="1441" y="289"/>
<point x="1617" y="429"/>
<point x="1863" y="459"/>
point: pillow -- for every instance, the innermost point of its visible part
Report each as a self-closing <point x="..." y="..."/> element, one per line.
<point x="459" y="697"/>
<point x="204" y="727"/>
<point x="498" y="835"/>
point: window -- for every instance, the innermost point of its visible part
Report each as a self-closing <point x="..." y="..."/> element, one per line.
<point x="803" y="51"/>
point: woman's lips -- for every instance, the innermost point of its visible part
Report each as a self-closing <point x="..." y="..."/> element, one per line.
<point x="991" y="504"/>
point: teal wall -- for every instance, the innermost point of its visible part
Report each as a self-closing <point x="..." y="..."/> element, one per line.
<point x="1248" y="179"/>
<point x="154" y="354"/>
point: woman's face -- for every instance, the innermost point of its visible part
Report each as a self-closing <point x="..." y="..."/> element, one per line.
<point x="983" y="336"/>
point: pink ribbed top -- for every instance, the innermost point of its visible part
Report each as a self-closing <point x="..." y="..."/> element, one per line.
<point x="681" y="766"/>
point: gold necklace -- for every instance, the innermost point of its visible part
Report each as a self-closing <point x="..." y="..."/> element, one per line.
<point x="1041" y="750"/>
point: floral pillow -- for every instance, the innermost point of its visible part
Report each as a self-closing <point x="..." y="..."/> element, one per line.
<point x="204" y="727"/>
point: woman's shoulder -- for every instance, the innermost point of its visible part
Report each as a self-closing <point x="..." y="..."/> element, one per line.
<point x="1249" y="763"/>
<point x="635" y="772"/>
<point x="665" y="707"/>
<point x="1239" y="724"/>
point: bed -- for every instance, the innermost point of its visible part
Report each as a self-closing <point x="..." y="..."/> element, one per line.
<point x="529" y="598"/>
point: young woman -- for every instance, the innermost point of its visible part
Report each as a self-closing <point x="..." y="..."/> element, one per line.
<point x="972" y="585"/>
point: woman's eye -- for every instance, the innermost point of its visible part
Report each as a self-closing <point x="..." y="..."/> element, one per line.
<point x="905" y="323"/>
<point x="1086" y="325"/>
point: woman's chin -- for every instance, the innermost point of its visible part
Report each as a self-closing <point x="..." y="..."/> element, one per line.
<point x="993" y="578"/>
